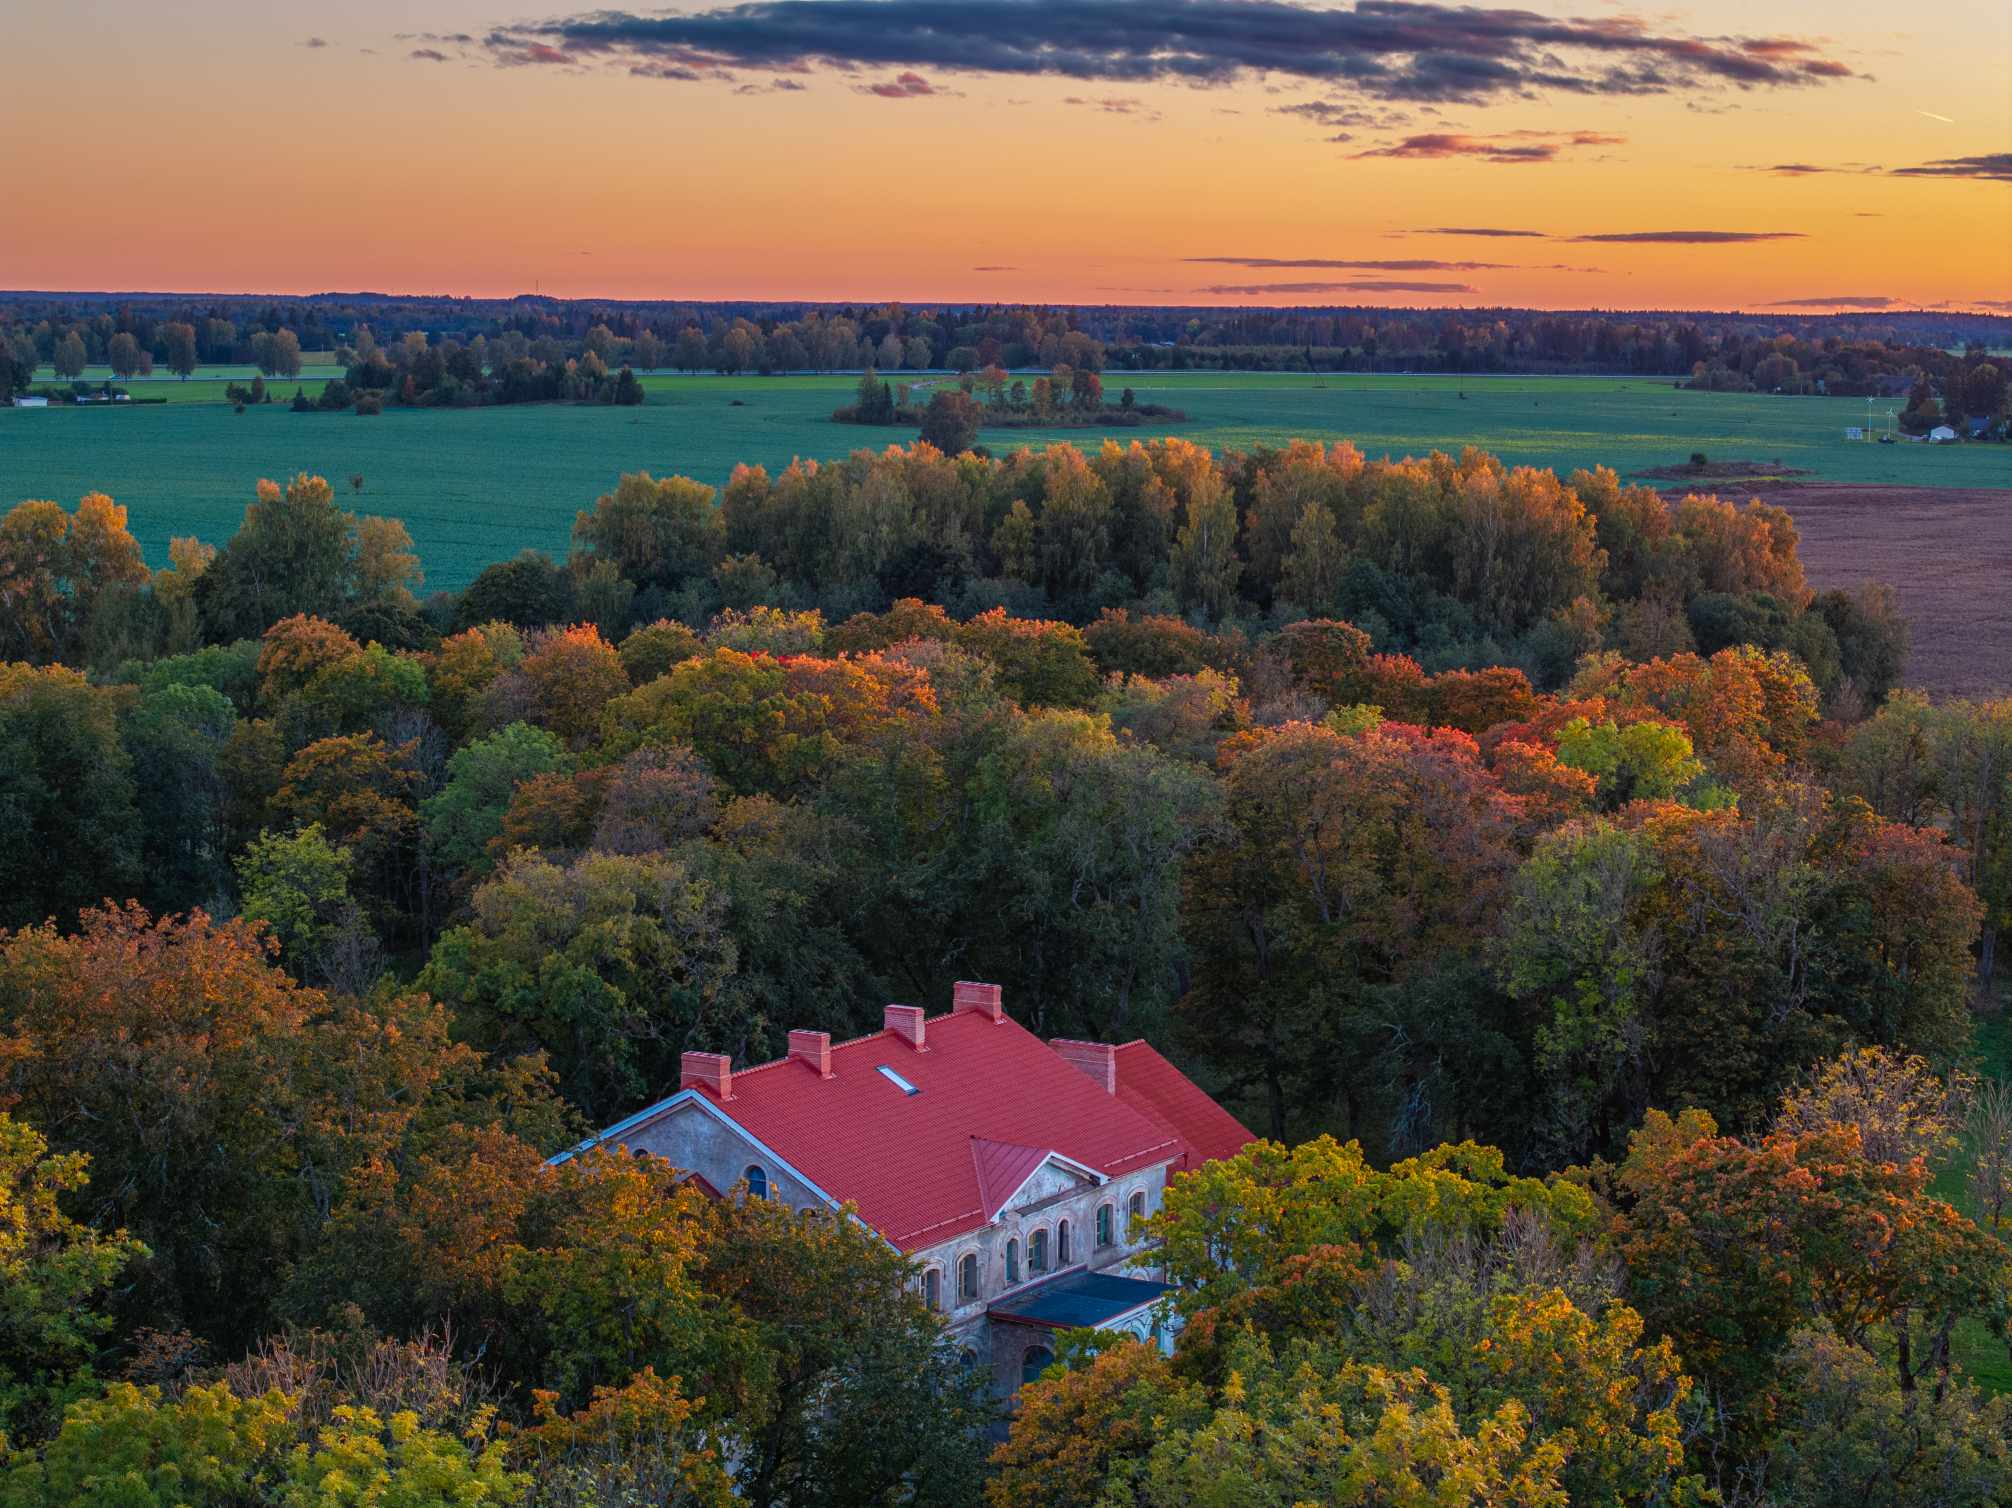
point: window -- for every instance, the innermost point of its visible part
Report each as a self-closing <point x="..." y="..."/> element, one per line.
<point x="1037" y="1252"/>
<point x="1012" y="1261"/>
<point x="1062" y="1243"/>
<point x="1034" y="1363"/>
<point x="969" y="1358"/>
<point x="757" y="1181"/>
<point x="932" y="1288"/>
<point x="1137" y="1209"/>
<point x="1103" y="1225"/>
<point x="967" y="1277"/>
<point x="895" y="1079"/>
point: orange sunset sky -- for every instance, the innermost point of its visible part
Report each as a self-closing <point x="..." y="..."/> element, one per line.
<point x="1117" y="151"/>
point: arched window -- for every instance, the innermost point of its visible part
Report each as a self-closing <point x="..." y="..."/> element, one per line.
<point x="757" y="1181"/>
<point x="1012" y="1261"/>
<point x="1034" y="1363"/>
<point x="1037" y="1252"/>
<point x="967" y="1277"/>
<point x="969" y="1358"/>
<point x="1137" y="1209"/>
<point x="1103" y="1225"/>
<point x="1062" y="1243"/>
<point x="932" y="1288"/>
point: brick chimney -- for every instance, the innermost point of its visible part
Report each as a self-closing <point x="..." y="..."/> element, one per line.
<point x="1097" y="1059"/>
<point x="905" y="1021"/>
<point x="968" y="996"/>
<point x="812" y="1049"/>
<point x="710" y="1071"/>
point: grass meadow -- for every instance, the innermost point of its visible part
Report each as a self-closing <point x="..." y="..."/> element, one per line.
<point x="478" y="485"/>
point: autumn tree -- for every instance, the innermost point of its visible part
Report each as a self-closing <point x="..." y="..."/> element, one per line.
<point x="71" y="838"/>
<point x="56" y="568"/>
<point x="657" y="533"/>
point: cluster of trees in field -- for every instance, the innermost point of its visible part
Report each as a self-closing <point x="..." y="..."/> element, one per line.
<point x="950" y="416"/>
<point x="331" y="913"/>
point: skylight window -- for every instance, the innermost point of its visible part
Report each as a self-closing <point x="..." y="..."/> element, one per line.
<point x="895" y="1079"/>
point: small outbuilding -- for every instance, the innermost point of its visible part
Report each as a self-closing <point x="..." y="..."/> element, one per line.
<point x="30" y="400"/>
<point x="1942" y="434"/>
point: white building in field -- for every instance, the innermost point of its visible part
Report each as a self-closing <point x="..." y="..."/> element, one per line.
<point x="27" y="400"/>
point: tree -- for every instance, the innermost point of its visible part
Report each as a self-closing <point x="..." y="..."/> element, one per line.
<point x="657" y="533"/>
<point x="70" y="357"/>
<point x="951" y="421"/>
<point x="1641" y="761"/>
<point x="219" y="1102"/>
<point x="70" y="837"/>
<point x="122" y="355"/>
<point x="1578" y="950"/>
<point x="53" y="1272"/>
<point x="1346" y="863"/>
<point x="1731" y="1247"/>
<point x="278" y="353"/>
<point x="298" y="885"/>
<point x="864" y="1401"/>
<point x="1204" y="562"/>
<point x="461" y="818"/>
<point x="294" y="553"/>
<point x="56" y="569"/>
<point x="564" y="680"/>
<point x="612" y="965"/>
<point x="178" y="340"/>
<point x="529" y="591"/>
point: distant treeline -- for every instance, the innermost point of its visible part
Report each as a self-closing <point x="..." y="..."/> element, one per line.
<point x="1841" y="354"/>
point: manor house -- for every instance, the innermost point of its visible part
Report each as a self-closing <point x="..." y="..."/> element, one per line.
<point x="1015" y="1172"/>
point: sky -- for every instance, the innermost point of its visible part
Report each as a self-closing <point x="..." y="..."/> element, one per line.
<point x="1758" y="154"/>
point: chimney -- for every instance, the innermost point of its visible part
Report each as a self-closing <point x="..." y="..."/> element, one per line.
<point x="905" y="1021"/>
<point x="710" y="1071"/>
<point x="812" y="1049"/>
<point x="967" y="996"/>
<point x="1097" y="1059"/>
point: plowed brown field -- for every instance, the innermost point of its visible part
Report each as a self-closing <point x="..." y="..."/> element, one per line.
<point x="1946" y="550"/>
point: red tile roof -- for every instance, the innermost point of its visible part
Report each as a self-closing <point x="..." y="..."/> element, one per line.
<point x="918" y="1165"/>
<point x="1153" y="1086"/>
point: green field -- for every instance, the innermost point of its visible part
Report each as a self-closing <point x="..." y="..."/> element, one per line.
<point x="477" y="485"/>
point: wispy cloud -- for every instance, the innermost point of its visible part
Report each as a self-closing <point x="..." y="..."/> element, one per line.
<point x="1408" y="264"/>
<point x="905" y="85"/>
<point x="1504" y="147"/>
<point x="1842" y="301"/>
<point x="1113" y="104"/>
<point x="315" y="42"/>
<point x="1474" y="230"/>
<point x="1687" y="237"/>
<point x="428" y="55"/>
<point x="1994" y="167"/>
<point x="1351" y="285"/>
<point x="1385" y="49"/>
<point x="1000" y="268"/>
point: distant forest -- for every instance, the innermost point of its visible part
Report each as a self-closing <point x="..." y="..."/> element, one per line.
<point x="504" y="350"/>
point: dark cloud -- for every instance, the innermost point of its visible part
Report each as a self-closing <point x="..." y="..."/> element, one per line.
<point x="1688" y="237"/>
<point x="1412" y="264"/>
<point x="1352" y="285"/>
<point x="1475" y="230"/>
<point x="1506" y="147"/>
<point x="1327" y="112"/>
<point x="1387" y="49"/>
<point x="428" y="55"/>
<point x="905" y="85"/>
<point x="315" y="42"/>
<point x="773" y="86"/>
<point x="1794" y="169"/>
<point x="995" y="269"/>
<point x="1842" y="301"/>
<point x="1993" y="167"/>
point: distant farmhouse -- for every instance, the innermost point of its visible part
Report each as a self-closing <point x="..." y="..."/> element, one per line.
<point x="26" y="400"/>
<point x="1015" y="1172"/>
